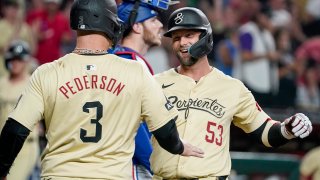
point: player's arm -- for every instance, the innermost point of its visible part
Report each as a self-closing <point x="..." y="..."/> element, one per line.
<point x="12" y="138"/>
<point x="273" y="133"/>
<point x="168" y="138"/>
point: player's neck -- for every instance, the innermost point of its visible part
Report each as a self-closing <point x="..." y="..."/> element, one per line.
<point x="197" y="71"/>
<point x="92" y="42"/>
<point x="137" y="44"/>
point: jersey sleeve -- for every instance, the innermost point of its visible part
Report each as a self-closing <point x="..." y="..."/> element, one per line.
<point x="156" y="109"/>
<point x="30" y="106"/>
<point x="249" y="116"/>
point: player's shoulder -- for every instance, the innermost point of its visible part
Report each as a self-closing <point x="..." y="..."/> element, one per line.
<point x="50" y="68"/>
<point x="165" y="74"/>
<point x="220" y="76"/>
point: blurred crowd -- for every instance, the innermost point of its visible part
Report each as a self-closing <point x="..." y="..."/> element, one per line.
<point x="272" y="46"/>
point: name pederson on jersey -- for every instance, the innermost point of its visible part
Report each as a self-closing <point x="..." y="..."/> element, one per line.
<point x="206" y="110"/>
<point x="92" y="107"/>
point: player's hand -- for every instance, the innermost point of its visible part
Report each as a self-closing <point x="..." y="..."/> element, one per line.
<point x="190" y="150"/>
<point x="298" y="125"/>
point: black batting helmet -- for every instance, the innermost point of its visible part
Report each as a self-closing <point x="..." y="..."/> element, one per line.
<point x="192" y="18"/>
<point x="17" y="50"/>
<point x="96" y="15"/>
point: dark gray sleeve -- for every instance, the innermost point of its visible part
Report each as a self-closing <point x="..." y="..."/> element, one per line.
<point x="275" y="137"/>
<point x="12" y="138"/>
<point x="168" y="138"/>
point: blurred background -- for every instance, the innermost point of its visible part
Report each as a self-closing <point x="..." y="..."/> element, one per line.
<point x="273" y="46"/>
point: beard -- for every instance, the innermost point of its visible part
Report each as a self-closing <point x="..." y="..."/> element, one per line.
<point x="187" y="61"/>
<point x="151" y="38"/>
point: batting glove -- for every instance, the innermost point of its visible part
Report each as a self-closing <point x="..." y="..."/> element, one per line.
<point x="298" y="125"/>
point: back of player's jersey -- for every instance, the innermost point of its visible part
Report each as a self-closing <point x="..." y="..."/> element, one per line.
<point x="92" y="107"/>
<point x="90" y="98"/>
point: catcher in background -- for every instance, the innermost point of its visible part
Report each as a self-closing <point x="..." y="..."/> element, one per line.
<point x="92" y="104"/>
<point x="209" y="101"/>
<point x="17" y="59"/>
<point x="142" y="31"/>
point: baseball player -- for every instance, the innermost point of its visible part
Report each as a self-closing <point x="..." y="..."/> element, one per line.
<point x="92" y="104"/>
<point x="17" y="58"/>
<point x="209" y="101"/>
<point x="142" y="31"/>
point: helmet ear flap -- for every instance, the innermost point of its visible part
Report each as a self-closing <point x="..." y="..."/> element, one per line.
<point x="202" y="47"/>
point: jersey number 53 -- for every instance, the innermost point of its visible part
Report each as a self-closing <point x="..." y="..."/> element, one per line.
<point x="211" y="136"/>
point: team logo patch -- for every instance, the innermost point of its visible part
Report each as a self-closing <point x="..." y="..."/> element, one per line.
<point x="91" y="67"/>
<point x="168" y="105"/>
<point x="179" y="18"/>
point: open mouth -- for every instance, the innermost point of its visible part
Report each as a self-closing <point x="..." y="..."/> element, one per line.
<point x="184" y="50"/>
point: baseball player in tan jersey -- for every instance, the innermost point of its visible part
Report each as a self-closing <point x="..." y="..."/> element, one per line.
<point x="92" y="104"/>
<point x="208" y="102"/>
<point x="17" y="58"/>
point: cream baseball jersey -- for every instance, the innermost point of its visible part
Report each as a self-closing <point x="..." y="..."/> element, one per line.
<point x="92" y="107"/>
<point x="206" y="110"/>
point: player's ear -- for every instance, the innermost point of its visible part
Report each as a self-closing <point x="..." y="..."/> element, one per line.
<point x="137" y="28"/>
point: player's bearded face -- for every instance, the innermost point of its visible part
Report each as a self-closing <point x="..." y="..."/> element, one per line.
<point x="152" y="32"/>
<point x="182" y="41"/>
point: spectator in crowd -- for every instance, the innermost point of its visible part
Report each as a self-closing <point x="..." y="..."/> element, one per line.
<point x="287" y="72"/>
<point x="52" y="29"/>
<point x="259" y="59"/>
<point x="308" y="92"/>
<point x="307" y="63"/>
<point x="279" y="15"/>
<point x="17" y="58"/>
<point x="228" y="55"/>
<point x="311" y="25"/>
<point x="12" y="27"/>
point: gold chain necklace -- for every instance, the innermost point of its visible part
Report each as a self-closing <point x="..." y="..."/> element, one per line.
<point x="89" y="51"/>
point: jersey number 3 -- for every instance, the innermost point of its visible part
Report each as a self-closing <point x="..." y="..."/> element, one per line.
<point x="210" y="137"/>
<point x="83" y="133"/>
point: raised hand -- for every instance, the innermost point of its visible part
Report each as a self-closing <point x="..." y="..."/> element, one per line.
<point x="298" y="125"/>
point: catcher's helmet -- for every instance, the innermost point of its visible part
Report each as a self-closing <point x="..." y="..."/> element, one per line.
<point x="17" y="50"/>
<point x="134" y="11"/>
<point x="96" y="15"/>
<point x="192" y="18"/>
<point x="130" y="14"/>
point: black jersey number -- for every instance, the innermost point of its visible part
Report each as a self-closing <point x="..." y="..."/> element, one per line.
<point x="83" y="132"/>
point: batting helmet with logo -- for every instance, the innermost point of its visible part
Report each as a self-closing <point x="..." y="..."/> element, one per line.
<point x="17" y="50"/>
<point x="192" y="18"/>
<point x="96" y="15"/>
